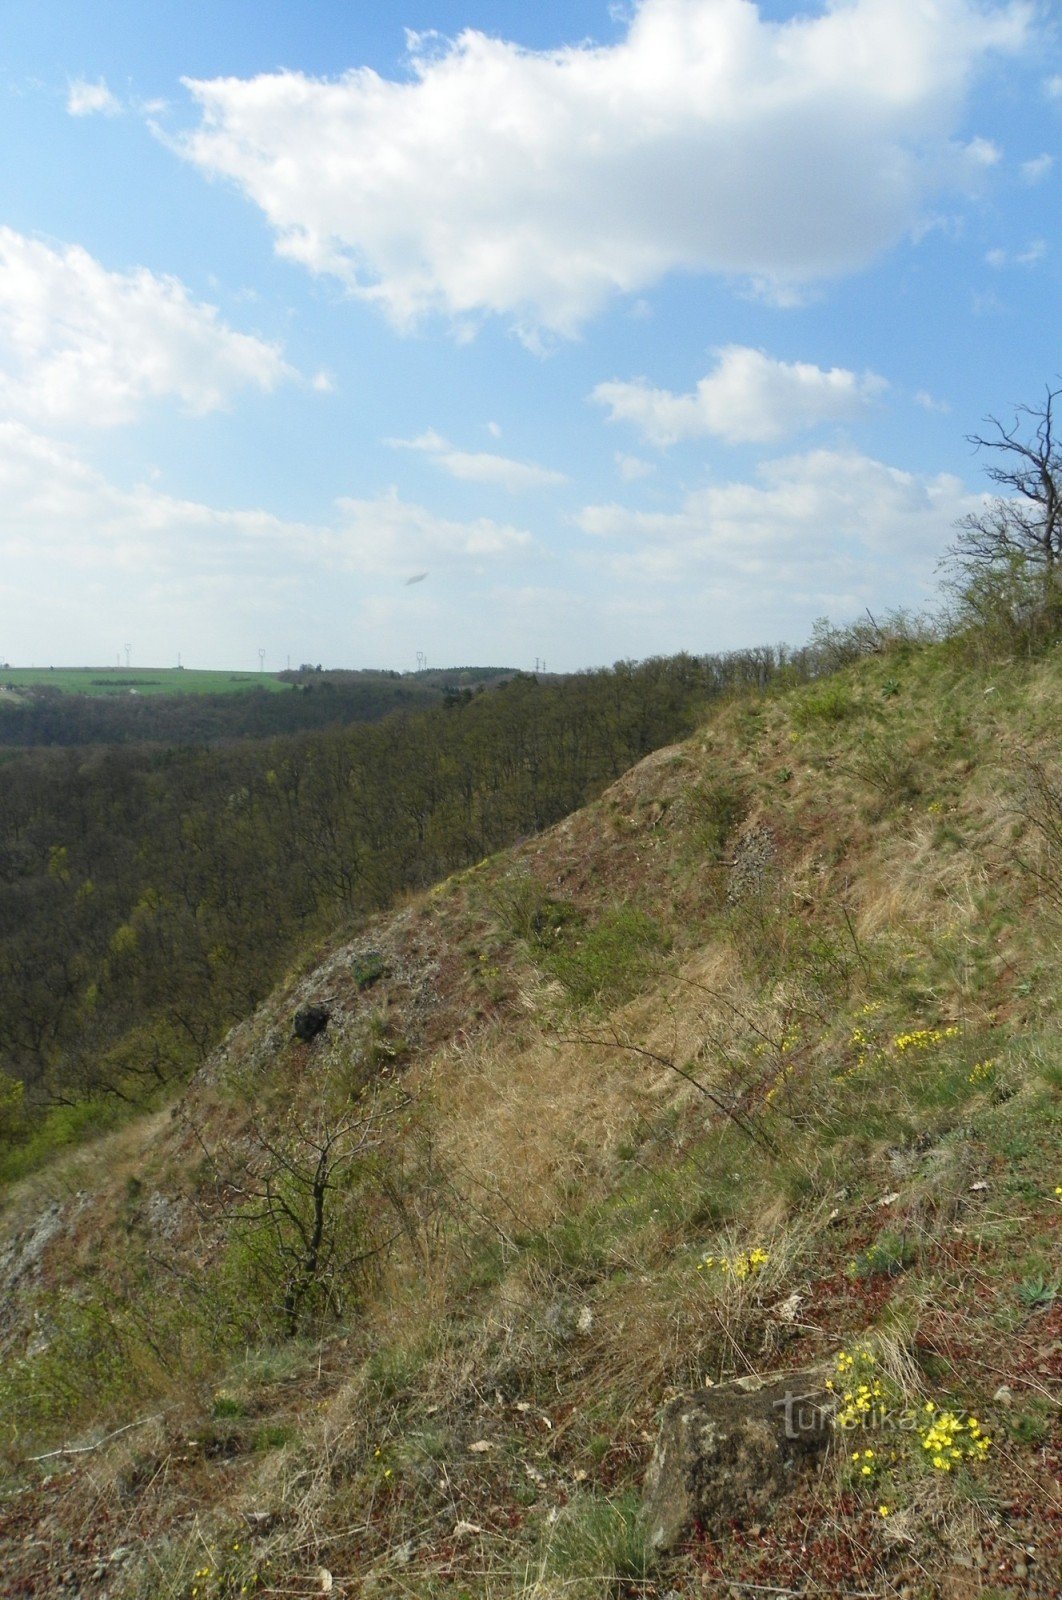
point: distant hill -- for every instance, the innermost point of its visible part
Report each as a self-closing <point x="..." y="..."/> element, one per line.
<point x="72" y="706"/>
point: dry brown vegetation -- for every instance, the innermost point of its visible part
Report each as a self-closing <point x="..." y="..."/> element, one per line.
<point x="671" y="1026"/>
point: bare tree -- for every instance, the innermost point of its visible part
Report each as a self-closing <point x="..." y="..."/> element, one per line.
<point x="1022" y="525"/>
<point x="293" y="1194"/>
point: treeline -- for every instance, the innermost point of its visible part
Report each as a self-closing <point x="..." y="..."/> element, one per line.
<point x="43" y="716"/>
<point x="150" y="898"/>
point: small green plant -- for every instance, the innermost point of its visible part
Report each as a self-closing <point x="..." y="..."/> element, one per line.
<point x="1033" y="1424"/>
<point x="745" y="1264"/>
<point x="594" y="1545"/>
<point x="273" y="1436"/>
<point x="367" y="969"/>
<point x="1036" y="1293"/>
<point x="228" y="1405"/>
<point x="889" y="1255"/>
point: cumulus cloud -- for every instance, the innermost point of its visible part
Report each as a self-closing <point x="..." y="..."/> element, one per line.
<point x="538" y="184"/>
<point x="91" y="99"/>
<point x="54" y="500"/>
<point x="749" y="397"/>
<point x="388" y="535"/>
<point x="478" y="466"/>
<point x="80" y="344"/>
<point x="109" y="557"/>
<point x="1036" y="170"/>
<point x="65" y="513"/>
<point x="811" y="523"/>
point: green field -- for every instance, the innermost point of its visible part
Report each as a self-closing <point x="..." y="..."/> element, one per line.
<point x="138" y="680"/>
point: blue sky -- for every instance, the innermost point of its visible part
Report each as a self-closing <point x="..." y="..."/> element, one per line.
<point x="497" y="333"/>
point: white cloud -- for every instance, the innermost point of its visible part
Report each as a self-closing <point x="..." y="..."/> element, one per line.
<point x="538" y="184"/>
<point x="64" y="511"/>
<point x="388" y="535"/>
<point x="1053" y="87"/>
<point x="1034" y="251"/>
<point x="924" y="399"/>
<point x="110" y="559"/>
<point x="90" y="99"/>
<point x="749" y="397"/>
<point x="1036" y="170"/>
<point x="812" y="523"/>
<point x="54" y="500"/>
<point x="631" y="468"/>
<point x="481" y="467"/>
<point x="79" y="344"/>
<point x="983" y="153"/>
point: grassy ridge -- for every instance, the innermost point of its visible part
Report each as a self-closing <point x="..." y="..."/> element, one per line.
<point x="751" y="1063"/>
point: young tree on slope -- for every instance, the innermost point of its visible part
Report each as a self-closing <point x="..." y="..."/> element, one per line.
<point x="1022" y="526"/>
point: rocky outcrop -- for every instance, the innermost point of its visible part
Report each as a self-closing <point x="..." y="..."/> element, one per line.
<point x="726" y="1455"/>
<point x="309" y="1021"/>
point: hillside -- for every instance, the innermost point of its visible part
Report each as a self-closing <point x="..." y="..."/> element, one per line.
<point x="750" y="1066"/>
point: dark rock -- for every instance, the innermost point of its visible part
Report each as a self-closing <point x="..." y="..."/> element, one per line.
<point x="726" y="1455"/>
<point x="309" y="1021"/>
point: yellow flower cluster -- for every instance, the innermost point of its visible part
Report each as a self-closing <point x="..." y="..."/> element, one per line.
<point x="981" y="1070"/>
<point x="742" y="1266"/>
<point x="922" y="1038"/>
<point x="859" y="1042"/>
<point x="950" y="1439"/>
<point x="863" y="1398"/>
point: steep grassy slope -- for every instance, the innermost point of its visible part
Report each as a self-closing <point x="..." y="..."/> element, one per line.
<point x="752" y="1062"/>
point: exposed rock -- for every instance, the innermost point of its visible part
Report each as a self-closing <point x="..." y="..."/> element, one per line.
<point x="726" y="1455"/>
<point x="309" y="1021"/>
<point x="751" y="867"/>
<point x="163" y="1215"/>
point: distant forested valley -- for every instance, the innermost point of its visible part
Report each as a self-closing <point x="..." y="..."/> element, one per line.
<point x="151" y="894"/>
<point x="41" y="715"/>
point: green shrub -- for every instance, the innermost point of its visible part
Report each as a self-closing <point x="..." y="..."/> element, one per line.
<point x="525" y="911"/>
<point x="828" y="702"/>
<point x="716" y="809"/>
<point x="611" y="961"/>
<point x="32" y="1145"/>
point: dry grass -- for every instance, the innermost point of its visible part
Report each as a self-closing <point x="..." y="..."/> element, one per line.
<point x="558" y="1181"/>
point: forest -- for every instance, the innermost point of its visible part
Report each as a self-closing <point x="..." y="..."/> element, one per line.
<point x="151" y="894"/>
